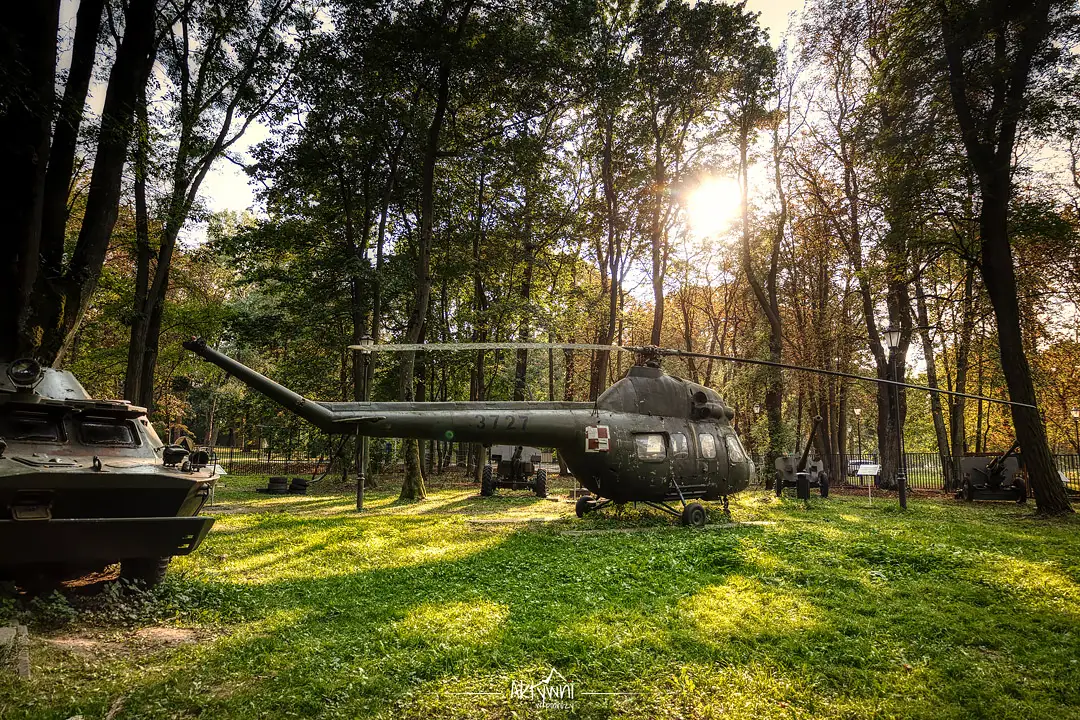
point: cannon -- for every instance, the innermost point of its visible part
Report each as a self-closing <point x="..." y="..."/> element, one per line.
<point x="993" y="478"/>
<point x="510" y="470"/>
<point x="802" y="473"/>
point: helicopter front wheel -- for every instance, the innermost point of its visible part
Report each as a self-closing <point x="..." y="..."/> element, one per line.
<point x="583" y="505"/>
<point x="694" y="515"/>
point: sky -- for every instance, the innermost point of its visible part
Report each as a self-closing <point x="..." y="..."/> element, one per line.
<point x="227" y="188"/>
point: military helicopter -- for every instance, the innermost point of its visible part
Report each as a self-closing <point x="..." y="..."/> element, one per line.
<point x="650" y="438"/>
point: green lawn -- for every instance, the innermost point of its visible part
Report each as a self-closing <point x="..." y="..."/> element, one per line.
<point x="297" y="607"/>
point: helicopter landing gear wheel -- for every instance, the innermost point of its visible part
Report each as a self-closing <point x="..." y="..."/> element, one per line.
<point x="778" y="485"/>
<point x="540" y="483"/>
<point x="487" y="485"/>
<point x="583" y="505"/>
<point x="694" y="515"/>
<point x="823" y="484"/>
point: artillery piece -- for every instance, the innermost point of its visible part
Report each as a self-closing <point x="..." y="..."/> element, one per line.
<point x="513" y="472"/>
<point x="801" y="473"/>
<point x="993" y="478"/>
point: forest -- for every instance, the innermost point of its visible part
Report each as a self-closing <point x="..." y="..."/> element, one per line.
<point x="569" y="171"/>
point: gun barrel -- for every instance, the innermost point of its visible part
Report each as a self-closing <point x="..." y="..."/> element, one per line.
<point x="313" y="412"/>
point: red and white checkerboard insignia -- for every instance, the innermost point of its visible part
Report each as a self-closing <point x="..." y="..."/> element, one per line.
<point x="597" y="438"/>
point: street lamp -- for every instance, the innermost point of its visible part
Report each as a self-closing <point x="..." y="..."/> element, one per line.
<point x="892" y="339"/>
<point x="858" y="429"/>
<point x="361" y="441"/>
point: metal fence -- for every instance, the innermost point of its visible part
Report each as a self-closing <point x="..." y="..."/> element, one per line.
<point x="925" y="470"/>
<point x="275" y="451"/>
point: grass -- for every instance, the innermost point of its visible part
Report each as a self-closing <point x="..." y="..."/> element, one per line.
<point x="298" y="607"/>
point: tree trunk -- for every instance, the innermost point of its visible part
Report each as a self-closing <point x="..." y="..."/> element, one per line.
<point x="1000" y="281"/>
<point x="412" y="487"/>
<point x="932" y="380"/>
<point x="525" y="295"/>
<point x="959" y="404"/>
<point x="58" y="180"/>
<point x="29" y="34"/>
<point x="656" y="241"/>
<point x="137" y="342"/>
<point x="988" y="125"/>
<point x="61" y="303"/>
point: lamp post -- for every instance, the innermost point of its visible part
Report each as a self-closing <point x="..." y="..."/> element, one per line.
<point x="361" y="441"/>
<point x="892" y="338"/>
<point x="858" y="429"/>
<point x="1075" y="412"/>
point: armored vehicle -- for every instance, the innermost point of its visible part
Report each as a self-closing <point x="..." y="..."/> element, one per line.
<point x="87" y="483"/>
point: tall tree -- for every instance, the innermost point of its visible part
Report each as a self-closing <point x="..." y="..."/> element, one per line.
<point x="227" y="63"/>
<point x="995" y="50"/>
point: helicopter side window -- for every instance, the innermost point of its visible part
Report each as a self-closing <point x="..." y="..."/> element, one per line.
<point x="650" y="447"/>
<point x="679" y="445"/>
<point x="735" y="452"/>
<point x="708" y="446"/>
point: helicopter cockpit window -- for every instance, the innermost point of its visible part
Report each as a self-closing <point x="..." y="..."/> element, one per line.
<point x="735" y="452"/>
<point x="708" y="446"/>
<point x="650" y="447"/>
<point x="678" y="445"/>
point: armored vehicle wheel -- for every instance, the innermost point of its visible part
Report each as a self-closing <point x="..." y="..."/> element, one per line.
<point x="694" y="515"/>
<point x="583" y="505"/>
<point x="969" y="491"/>
<point x="778" y="484"/>
<point x="487" y="485"/>
<point x="540" y="483"/>
<point x="823" y="484"/>
<point x="148" y="571"/>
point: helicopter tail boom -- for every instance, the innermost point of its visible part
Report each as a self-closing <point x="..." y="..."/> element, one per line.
<point x="543" y="423"/>
<point x="315" y="413"/>
<point x="540" y="423"/>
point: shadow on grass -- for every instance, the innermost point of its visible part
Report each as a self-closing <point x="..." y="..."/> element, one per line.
<point x="823" y="616"/>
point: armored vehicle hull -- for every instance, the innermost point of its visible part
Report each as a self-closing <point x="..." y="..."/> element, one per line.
<point x="83" y="485"/>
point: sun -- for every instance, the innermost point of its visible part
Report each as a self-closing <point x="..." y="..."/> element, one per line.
<point x="713" y="206"/>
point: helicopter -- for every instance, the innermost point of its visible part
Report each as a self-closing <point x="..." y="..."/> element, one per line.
<point x="649" y="438"/>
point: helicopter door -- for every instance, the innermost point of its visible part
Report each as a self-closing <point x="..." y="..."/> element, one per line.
<point x="683" y="467"/>
<point x="713" y="456"/>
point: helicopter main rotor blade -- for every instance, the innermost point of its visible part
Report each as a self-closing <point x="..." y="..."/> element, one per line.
<point x="423" y="347"/>
<point x="670" y="352"/>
